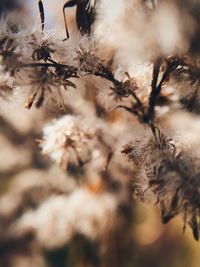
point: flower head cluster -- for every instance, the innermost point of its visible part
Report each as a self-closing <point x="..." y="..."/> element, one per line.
<point x="170" y="174"/>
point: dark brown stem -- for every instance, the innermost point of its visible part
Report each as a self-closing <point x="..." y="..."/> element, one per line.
<point x="156" y="88"/>
<point x="41" y="10"/>
<point x="47" y="65"/>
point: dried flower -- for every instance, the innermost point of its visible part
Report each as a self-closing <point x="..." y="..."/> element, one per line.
<point x="172" y="176"/>
<point x="67" y="141"/>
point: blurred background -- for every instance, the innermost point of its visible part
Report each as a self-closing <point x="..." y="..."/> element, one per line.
<point x="29" y="182"/>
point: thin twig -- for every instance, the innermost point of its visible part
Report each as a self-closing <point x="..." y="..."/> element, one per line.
<point x="156" y="88"/>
